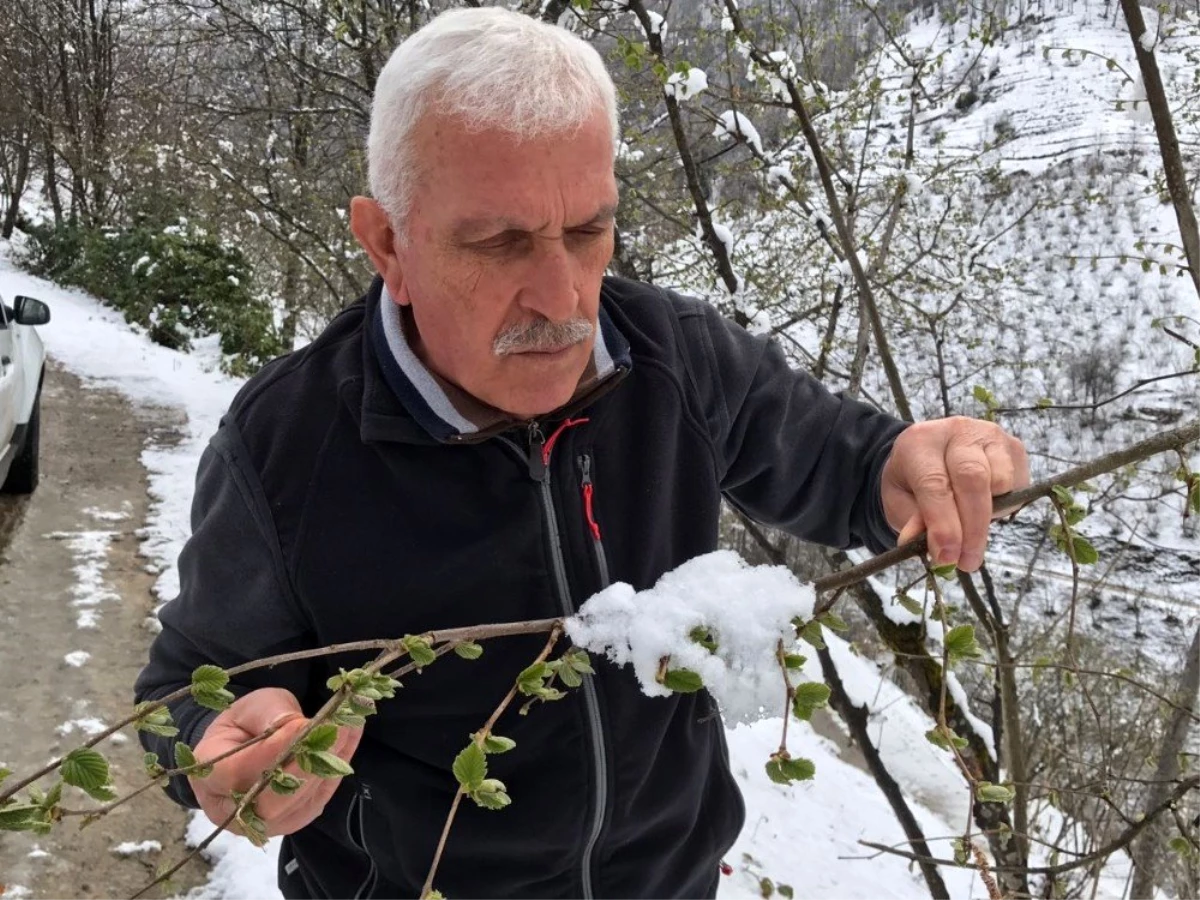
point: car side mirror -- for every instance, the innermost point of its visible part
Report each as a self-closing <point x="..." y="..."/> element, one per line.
<point x="30" y="312"/>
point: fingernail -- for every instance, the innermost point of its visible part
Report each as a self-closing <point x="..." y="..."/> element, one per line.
<point x="948" y="555"/>
<point x="969" y="561"/>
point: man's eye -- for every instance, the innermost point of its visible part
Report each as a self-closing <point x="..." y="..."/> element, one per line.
<point x="586" y="234"/>
<point x="500" y="243"/>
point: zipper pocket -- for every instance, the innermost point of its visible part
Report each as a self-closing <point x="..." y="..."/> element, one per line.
<point x="588" y="488"/>
<point x="354" y="815"/>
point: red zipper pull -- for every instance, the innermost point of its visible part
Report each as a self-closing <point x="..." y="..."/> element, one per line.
<point x="585" y="463"/>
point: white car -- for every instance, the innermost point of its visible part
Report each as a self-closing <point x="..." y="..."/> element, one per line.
<point x="22" y="363"/>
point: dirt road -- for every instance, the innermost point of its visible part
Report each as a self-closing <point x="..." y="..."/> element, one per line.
<point x="74" y="597"/>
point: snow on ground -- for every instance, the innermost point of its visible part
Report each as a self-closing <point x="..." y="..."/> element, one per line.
<point x="795" y="835"/>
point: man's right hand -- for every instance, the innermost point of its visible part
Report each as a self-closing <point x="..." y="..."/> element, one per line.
<point x="247" y="718"/>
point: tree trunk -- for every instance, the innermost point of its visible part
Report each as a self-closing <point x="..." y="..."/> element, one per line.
<point x="1168" y="141"/>
<point x="1147" y="849"/>
<point x="16" y="192"/>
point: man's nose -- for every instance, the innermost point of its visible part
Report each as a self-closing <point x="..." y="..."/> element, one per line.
<point x="549" y="287"/>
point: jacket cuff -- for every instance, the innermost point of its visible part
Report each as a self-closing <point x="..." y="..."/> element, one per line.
<point x="880" y="535"/>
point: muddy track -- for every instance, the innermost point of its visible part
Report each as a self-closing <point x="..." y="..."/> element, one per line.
<point x="72" y="582"/>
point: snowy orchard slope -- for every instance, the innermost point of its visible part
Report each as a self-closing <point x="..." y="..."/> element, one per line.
<point x="1035" y="288"/>
<point x="794" y="835"/>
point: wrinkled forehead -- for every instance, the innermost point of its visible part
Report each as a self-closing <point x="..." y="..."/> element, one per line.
<point x="471" y="174"/>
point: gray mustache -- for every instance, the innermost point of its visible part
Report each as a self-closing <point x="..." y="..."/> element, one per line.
<point x="542" y="336"/>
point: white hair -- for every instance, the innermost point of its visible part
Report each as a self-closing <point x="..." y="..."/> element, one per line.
<point x="491" y="69"/>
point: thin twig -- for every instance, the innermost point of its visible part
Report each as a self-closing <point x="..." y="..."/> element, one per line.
<point x="1016" y="500"/>
<point x="480" y="737"/>
<point x="454" y="635"/>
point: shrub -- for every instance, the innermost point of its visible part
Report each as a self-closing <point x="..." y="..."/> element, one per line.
<point x="177" y="283"/>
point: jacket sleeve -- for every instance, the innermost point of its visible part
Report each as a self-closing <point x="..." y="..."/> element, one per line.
<point x="235" y="602"/>
<point x="790" y="454"/>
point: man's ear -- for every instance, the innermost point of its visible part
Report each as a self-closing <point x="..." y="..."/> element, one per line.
<point x="372" y="228"/>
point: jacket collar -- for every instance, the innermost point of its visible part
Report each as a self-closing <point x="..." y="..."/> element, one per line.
<point x="401" y="392"/>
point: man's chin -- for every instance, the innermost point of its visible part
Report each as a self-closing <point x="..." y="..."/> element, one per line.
<point x="535" y="403"/>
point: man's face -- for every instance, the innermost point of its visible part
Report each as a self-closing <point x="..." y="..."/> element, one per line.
<point x="507" y="243"/>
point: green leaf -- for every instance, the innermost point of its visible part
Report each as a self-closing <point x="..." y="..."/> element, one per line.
<point x="209" y="678"/>
<point x="766" y="887"/>
<point x="579" y="660"/>
<point x="419" y="650"/>
<point x="910" y="604"/>
<point x="1063" y="495"/>
<point x="775" y="771"/>
<point x="1085" y="553"/>
<point x="961" y="853"/>
<point x="833" y="621"/>
<point x="437" y="895"/>
<point x="812" y="634"/>
<point x="322" y="737"/>
<point x="105" y="793"/>
<point x="4" y="773"/>
<point x="285" y="782"/>
<point x="702" y="636"/>
<point x="469" y="650"/>
<point x="799" y="769"/>
<point x="1194" y="494"/>
<point x="946" y="572"/>
<point x="253" y="827"/>
<point x="85" y="768"/>
<point x="53" y="797"/>
<point x="794" y="661"/>
<point x="782" y="770"/>
<point x="184" y="757"/>
<point x="569" y="677"/>
<point x="19" y="817"/>
<point x="530" y="681"/>
<point x="323" y="764"/>
<point x="994" y="793"/>
<point x="151" y="764"/>
<point x="353" y="711"/>
<point x="208" y="687"/>
<point x="493" y="743"/>
<point x="470" y="767"/>
<point x="960" y="644"/>
<point x="936" y="737"/>
<point x="786" y="890"/>
<point x="1181" y="845"/>
<point x="682" y="681"/>
<point x="983" y="395"/>
<point x="810" y="696"/>
<point x="155" y="721"/>
<point x="492" y="799"/>
<point x="218" y="700"/>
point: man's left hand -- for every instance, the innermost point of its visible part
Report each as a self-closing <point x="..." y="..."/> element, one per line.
<point x="940" y="479"/>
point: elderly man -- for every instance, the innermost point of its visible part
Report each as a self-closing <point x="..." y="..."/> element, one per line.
<point x="493" y="433"/>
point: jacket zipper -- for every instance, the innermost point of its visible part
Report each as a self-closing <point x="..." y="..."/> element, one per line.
<point x="585" y="484"/>
<point x="368" y="885"/>
<point x="539" y="471"/>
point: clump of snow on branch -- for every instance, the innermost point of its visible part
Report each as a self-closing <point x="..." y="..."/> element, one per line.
<point x="656" y="23"/>
<point x="777" y="74"/>
<point x="747" y="610"/>
<point x="685" y="85"/>
<point x="736" y="126"/>
<point x="725" y="236"/>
